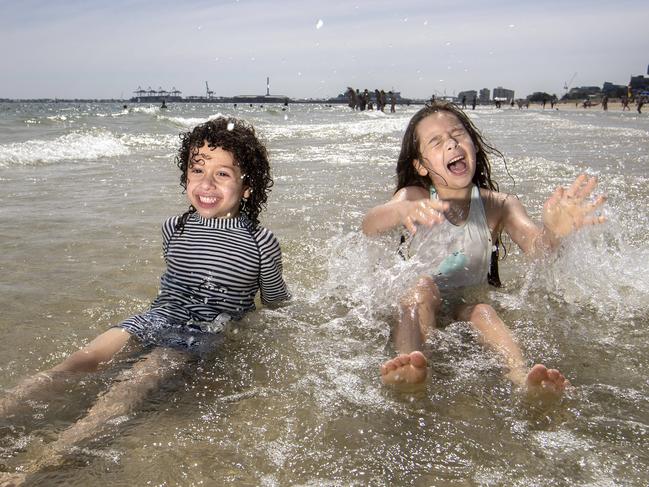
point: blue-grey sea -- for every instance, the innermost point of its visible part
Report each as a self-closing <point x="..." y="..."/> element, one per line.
<point x="293" y="396"/>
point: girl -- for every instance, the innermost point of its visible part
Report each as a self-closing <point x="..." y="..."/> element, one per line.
<point x="444" y="182"/>
<point x="217" y="256"/>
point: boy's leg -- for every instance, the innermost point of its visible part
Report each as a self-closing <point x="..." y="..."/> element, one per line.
<point x="495" y="335"/>
<point x="100" y="350"/>
<point x="417" y="317"/>
<point x="129" y="390"/>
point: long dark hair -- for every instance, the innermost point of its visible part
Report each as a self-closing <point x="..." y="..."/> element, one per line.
<point x="238" y="138"/>
<point x="407" y="175"/>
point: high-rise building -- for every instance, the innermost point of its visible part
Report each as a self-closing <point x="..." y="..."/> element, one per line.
<point x="484" y="95"/>
<point x="503" y="94"/>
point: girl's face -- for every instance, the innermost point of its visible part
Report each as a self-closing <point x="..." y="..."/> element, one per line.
<point x="448" y="153"/>
<point x="215" y="183"/>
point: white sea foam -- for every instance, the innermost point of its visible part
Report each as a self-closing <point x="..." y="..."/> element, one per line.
<point x="74" y="146"/>
<point x="189" y="122"/>
<point x="357" y="128"/>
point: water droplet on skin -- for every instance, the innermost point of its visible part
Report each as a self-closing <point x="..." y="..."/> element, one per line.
<point x="230" y="126"/>
<point x="319" y="24"/>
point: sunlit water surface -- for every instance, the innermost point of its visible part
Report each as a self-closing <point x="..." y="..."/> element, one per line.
<point x="292" y="397"/>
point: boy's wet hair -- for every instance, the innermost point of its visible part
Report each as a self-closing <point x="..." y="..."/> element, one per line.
<point x="250" y="155"/>
<point x="410" y="151"/>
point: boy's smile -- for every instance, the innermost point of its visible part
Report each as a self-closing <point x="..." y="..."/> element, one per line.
<point x="215" y="184"/>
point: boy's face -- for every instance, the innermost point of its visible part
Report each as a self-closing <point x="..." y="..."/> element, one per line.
<point x="215" y="183"/>
<point x="447" y="151"/>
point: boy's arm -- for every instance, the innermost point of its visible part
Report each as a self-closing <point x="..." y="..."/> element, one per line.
<point x="409" y="206"/>
<point x="272" y="287"/>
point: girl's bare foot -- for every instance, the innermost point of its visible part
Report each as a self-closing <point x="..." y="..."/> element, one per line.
<point x="405" y="369"/>
<point x="545" y="383"/>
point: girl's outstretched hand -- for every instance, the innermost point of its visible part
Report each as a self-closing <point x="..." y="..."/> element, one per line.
<point x="422" y="212"/>
<point x="569" y="209"/>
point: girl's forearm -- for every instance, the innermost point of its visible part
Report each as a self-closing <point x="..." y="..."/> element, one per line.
<point x="381" y="219"/>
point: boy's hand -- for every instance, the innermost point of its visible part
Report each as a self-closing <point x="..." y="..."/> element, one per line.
<point x="568" y="210"/>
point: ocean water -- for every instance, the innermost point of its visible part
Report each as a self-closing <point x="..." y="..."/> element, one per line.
<point x="293" y="396"/>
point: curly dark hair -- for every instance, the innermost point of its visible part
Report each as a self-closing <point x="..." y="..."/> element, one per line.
<point x="410" y="151"/>
<point x="407" y="175"/>
<point x="239" y="138"/>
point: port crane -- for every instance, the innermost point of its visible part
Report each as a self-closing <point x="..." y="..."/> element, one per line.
<point x="208" y="92"/>
<point x="568" y="84"/>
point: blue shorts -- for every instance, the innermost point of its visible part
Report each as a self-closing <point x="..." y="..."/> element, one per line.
<point x="153" y="328"/>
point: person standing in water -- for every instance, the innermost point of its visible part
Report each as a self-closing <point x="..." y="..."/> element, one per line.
<point x="218" y="257"/>
<point x="444" y="182"/>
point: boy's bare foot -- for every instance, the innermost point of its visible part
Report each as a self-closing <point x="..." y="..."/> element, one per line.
<point x="544" y="382"/>
<point x="405" y="369"/>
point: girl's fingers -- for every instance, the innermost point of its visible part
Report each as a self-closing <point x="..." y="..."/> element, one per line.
<point x="574" y="189"/>
<point x="587" y="189"/>
<point x="410" y="225"/>
<point x="555" y="197"/>
<point x="590" y="208"/>
<point x="594" y="220"/>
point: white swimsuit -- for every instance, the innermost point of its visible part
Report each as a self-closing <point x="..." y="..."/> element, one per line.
<point x="461" y="253"/>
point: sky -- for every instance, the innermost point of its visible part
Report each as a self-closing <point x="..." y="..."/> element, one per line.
<point x="315" y="49"/>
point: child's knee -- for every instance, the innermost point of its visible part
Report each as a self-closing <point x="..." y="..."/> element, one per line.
<point x="84" y="360"/>
<point x="482" y="311"/>
<point x="426" y="291"/>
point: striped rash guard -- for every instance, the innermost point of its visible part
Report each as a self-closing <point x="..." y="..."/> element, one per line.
<point x="214" y="269"/>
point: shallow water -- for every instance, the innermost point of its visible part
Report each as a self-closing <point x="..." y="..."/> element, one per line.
<point x="292" y="397"/>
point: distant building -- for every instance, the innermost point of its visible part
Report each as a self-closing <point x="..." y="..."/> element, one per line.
<point x="614" y="91"/>
<point x="503" y="94"/>
<point x="639" y="84"/>
<point x="583" y="92"/>
<point x="484" y="95"/>
<point x="468" y="95"/>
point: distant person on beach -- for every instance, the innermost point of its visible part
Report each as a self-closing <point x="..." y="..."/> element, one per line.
<point x="365" y="99"/>
<point x="164" y="104"/>
<point x="463" y="102"/>
<point x="625" y="103"/>
<point x="377" y="97"/>
<point x="445" y="191"/>
<point x="473" y="102"/>
<point x="384" y="100"/>
<point x="641" y="101"/>
<point x="605" y="103"/>
<point x="218" y="257"/>
<point x="393" y="102"/>
<point x="352" y="101"/>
